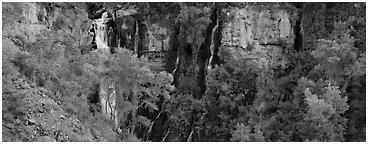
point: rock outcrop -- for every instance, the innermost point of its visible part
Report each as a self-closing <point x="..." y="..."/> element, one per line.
<point x="31" y="19"/>
<point x="255" y="27"/>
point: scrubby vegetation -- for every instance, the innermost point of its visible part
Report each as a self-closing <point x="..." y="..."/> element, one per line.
<point x="312" y="91"/>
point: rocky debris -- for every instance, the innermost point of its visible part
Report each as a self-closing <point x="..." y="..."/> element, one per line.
<point x="62" y="117"/>
<point x="31" y="121"/>
<point x="36" y="113"/>
<point x="46" y="139"/>
<point x="43" y="119"/>
<point x="9" y="48"/>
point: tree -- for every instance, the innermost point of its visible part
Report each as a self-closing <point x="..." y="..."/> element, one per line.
<point x="136" y="87"/>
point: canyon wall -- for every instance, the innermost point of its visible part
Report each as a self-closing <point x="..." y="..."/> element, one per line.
<point x="241" y="32"/>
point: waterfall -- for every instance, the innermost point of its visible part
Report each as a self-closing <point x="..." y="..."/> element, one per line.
<point x="212" y="47"/>
<point x="101" y="32"/>
<point x="107" y="90"/>
<point x="136" y="38"/>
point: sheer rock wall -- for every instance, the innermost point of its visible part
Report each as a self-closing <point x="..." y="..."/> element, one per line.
<point x="254" y="27"/>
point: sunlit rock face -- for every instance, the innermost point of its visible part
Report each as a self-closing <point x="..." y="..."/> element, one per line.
<point x="253" y="27"/>
<point x="38" y="17"/>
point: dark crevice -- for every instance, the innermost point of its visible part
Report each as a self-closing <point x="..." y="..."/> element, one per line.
<point x="112" y="36"/>
<point x="142" y="33"/>
<point x="176" y="54"/>
<point x="187" y="55"/>
<point x="298" y="41"/>
<point x="205" y="52"/>
<point x="94" y="100"/>
<point x="172" y="53"/>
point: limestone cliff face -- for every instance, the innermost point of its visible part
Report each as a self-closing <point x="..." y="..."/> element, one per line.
<point x="256" y="27"/>
<point x="157" y="44"/>
<point x="245" y="32"/>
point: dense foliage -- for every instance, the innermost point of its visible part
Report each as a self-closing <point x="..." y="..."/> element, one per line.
<point x="315" y="92"/>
